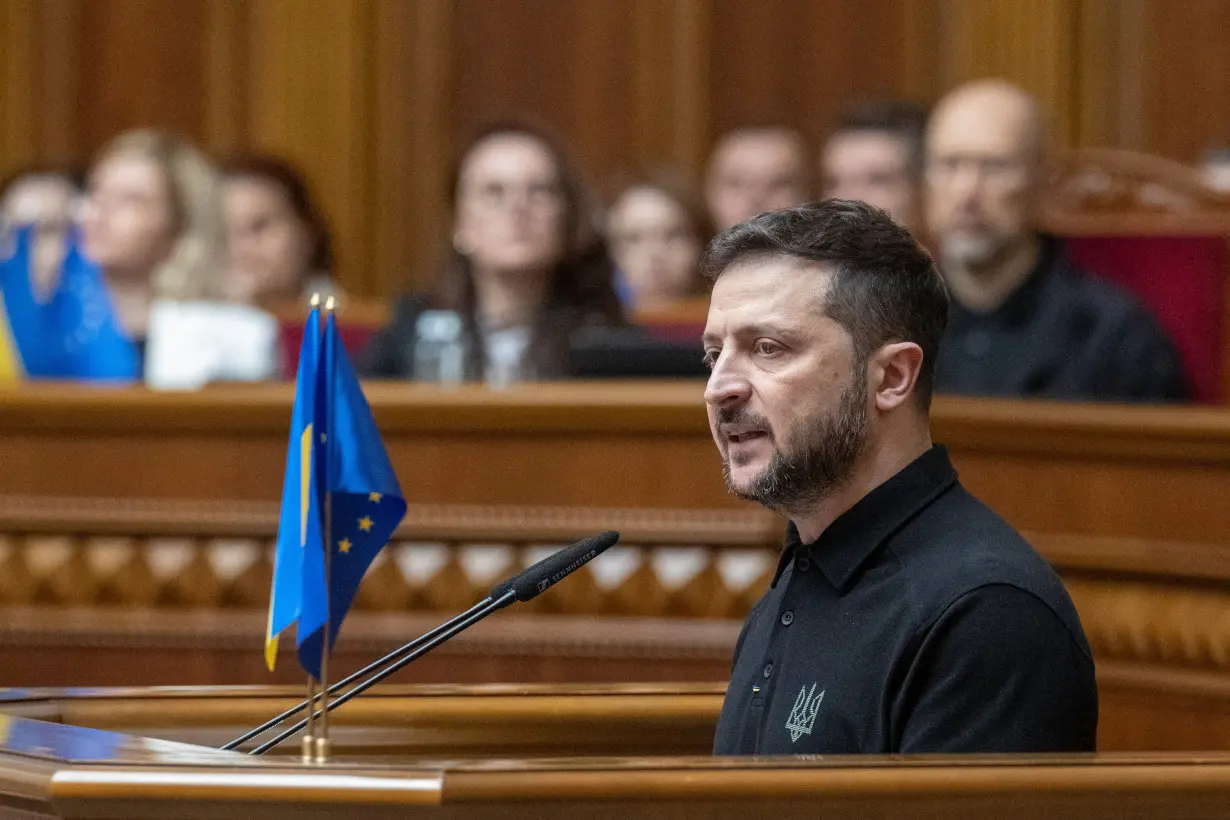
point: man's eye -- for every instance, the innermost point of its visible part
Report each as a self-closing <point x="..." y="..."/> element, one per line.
<point x="710" y="358"/>
<point x="768" y="348"/>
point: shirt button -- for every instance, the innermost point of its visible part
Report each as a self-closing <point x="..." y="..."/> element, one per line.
<point x="803" y="564"/>
<point x="787" y="618"/>
<point x="768" y="669"/>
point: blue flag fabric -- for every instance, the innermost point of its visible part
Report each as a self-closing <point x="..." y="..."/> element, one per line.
<point x="74" y="335"/>
<point x="27" y="316"/>
<point x="86" y="332"/>
<point x="299" y="544"/>
<point x="365" y="502"/>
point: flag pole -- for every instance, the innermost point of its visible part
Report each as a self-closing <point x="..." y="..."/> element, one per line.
<point x="309" y="734"/>
<point x="322" y="736"/>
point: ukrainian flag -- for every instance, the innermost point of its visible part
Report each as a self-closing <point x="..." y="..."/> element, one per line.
<point x="10" y="362"/>
<point x="337" y="470"/>
<point x="299" y="547"/>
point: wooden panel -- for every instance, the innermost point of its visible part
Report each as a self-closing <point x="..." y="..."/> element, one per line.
<point x="564" y="62"/>
<point x="413" y="147"/>
<point x="800" y="63"/>
<point x="310" y="99"/>
<point x="1184" y="65"/>
<point x="39" y="78"/>
<point x="142" y="64"/>
<point x="1031" y="44"/>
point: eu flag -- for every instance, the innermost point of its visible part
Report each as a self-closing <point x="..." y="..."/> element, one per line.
<point x="339" y="487"/>
<point x="365" y="502"/>
<point x="76" y="334"/>
<point x="299" y="550"/>
<point x="88" y="340"/>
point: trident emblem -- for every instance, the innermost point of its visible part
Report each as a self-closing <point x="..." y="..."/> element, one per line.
<point x="803" y="716"/>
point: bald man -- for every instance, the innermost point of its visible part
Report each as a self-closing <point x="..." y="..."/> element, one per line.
<point x="1024" y="321"/>
<point x="755" y="169"/>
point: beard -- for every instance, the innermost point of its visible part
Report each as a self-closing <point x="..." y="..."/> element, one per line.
<point x="972" y="250"/>
<point x="816" y="462"/>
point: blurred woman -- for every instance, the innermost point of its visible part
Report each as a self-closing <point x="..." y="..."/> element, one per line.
<point x="152" y="222"/>
<point x="526" y="268"/>
<point x="657" y="229"/>
<point x="278" y="244"/>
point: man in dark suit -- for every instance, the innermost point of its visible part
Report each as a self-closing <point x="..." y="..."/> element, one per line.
<point x="1024" y="321"/>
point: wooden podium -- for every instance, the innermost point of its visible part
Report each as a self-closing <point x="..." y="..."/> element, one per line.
<point x="495" y="752"/>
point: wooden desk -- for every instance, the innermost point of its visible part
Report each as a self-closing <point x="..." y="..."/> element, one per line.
<point x="135" y="527"/>
<point x="90" y="769"/>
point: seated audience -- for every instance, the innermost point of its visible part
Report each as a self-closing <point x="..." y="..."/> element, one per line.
<point x="1024" y="321"/>
<point x="874" y="154"/>
<point x="755" y="169"/>
<point x="526" y="268"/>
<point x="656" y="228"/>
<point x="152" y="222"/>
<point x="45" y="200"/>
<point x="277" y="241"/>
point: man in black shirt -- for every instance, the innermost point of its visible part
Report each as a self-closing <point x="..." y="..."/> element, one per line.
<point x="1024" y="321"/>
<point x="905" y="616"/>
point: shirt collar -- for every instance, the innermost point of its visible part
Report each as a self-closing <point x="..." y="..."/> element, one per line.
<point x="850" y="540"/>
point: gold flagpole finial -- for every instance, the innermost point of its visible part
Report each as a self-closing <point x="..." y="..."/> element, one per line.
<point x="315" y="300"/>
<point x="330" y="304"/>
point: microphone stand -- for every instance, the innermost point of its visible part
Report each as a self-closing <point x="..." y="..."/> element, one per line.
<point x="371" y="667"/>
<point x="421" y="647"/>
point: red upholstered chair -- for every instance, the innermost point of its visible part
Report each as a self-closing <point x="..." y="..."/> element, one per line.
<point x="1149" y="225"/>
<point x="358" y="322"/>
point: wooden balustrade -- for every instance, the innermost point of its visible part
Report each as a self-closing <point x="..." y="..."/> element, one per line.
<point x="136" y="533"/>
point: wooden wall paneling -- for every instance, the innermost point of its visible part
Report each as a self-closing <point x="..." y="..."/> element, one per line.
<point x="1185" y="102"/>
<point x="412" y="92"/>
<point x="801" y="63"/>
<point x="143" y="63"/>
<point x="565" y="63"/>
<point x="1031" y="44"/>
<point x="310" y="98"/>
<point x="39" y="67"/>
<point x="227" y="26"/>
<point x="18" y="59"/>
<point x="1099" y="59"/>
<point x="672" y="52"/>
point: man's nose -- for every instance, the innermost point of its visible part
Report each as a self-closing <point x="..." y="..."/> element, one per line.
<point x="727" y="385"/>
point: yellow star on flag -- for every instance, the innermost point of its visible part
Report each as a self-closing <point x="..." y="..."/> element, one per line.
<point x="343" y="546"/>
<point x="374" y="497"/>
<point x="365" y="523"/>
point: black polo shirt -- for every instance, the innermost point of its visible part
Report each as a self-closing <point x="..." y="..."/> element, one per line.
<point x="919" y="621"/>
<point x="1062" y="334"/>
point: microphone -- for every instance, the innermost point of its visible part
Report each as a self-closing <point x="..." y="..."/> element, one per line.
<point x="525" y="586"/>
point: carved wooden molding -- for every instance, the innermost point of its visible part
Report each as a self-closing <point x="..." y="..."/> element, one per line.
<point x="447" y="522"/>
<point x="1113" y="191"/>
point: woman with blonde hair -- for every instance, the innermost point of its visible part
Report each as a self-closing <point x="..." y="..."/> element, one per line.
<point x="152" y="221"/>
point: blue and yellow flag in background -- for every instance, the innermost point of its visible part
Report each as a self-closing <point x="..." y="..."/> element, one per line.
<point x="76" y="334"/>
<point x="10" y="362"/>
<point x="337" y="473"/>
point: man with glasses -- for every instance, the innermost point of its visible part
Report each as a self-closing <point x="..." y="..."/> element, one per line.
<point x="1024" y="321"/>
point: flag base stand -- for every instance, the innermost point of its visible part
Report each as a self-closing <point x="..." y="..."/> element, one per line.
<point x="323" y="749"/>
<point x="309" y="749"/>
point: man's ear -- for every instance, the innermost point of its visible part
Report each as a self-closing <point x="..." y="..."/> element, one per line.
<point x="894" y="371"/>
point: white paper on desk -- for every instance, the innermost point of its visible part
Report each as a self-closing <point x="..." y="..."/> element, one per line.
<point x="193" y="343"/>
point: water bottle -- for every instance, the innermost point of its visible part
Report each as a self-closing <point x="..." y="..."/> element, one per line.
<point x="440" y="348"/>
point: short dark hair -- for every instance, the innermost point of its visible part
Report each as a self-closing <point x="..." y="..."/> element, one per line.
<point x="905" y="119"/>
<point x="885" y="287"/>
